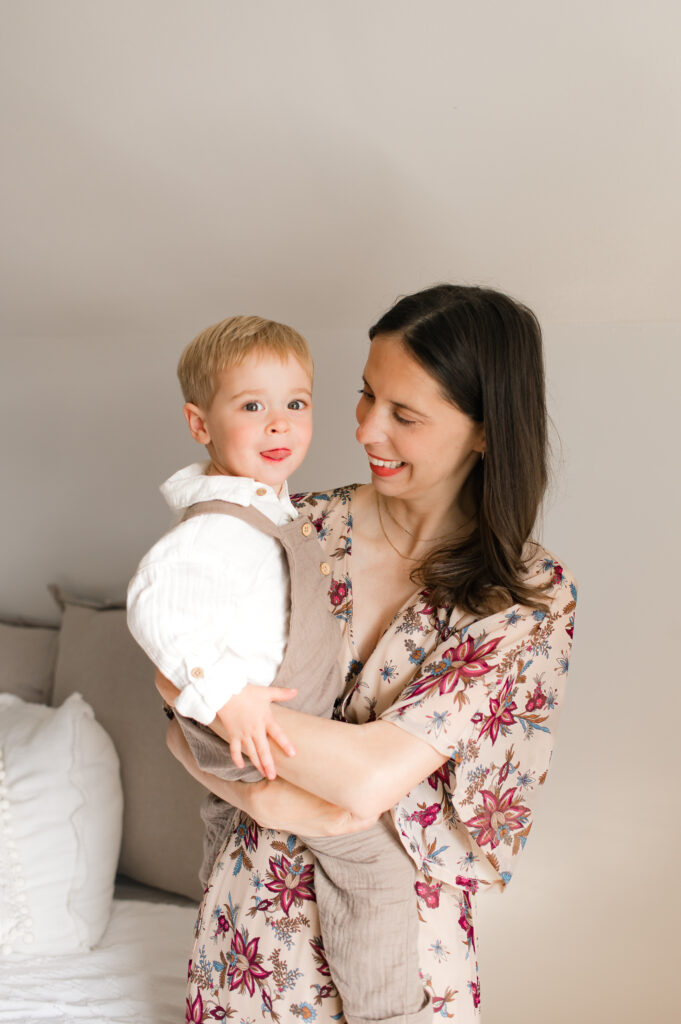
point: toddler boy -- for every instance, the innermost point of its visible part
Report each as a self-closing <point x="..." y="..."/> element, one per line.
<point x="231" y="606"/>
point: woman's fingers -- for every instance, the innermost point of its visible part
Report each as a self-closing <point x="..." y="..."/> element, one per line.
<point x="281" y="693"/>
<point x="280" y="737"/>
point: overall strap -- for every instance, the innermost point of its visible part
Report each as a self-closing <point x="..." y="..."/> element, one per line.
<point x="247" y="513"/>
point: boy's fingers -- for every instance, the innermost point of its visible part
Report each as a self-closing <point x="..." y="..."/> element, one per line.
<point x="250" y="749"/>
<point x="281" y="693"/>
<point x="280" y="737"/>
<point x="235" y="751"/>
<point x="265" y="756"/>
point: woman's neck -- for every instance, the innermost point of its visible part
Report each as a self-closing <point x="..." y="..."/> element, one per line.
<point x="427" y="522"/>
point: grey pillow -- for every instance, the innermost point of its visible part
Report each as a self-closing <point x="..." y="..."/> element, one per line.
<point x="162" y="830"/>
<point x="27" y="656"/>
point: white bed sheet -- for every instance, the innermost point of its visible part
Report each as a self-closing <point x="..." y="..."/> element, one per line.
<point x="137" y="974"/>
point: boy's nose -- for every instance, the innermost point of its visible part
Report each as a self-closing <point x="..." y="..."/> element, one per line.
<point x="277" y="425"/>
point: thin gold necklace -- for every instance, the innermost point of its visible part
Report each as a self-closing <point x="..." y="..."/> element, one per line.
<point x="430" y="540"/>
<point x="409" y="558"/>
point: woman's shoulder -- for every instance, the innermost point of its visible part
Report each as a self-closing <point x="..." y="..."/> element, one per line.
<point x="555" y="586"/>
<point x="548" y="572"/>
<point x="317" y="503"/>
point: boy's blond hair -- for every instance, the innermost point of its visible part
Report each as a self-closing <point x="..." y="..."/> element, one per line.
<point x="227" y="344"/>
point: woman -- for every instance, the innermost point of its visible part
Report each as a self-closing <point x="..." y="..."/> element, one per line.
<point x="457" y="632"/>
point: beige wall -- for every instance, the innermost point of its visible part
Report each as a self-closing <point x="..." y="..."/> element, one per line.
<point x="168" y="164"/>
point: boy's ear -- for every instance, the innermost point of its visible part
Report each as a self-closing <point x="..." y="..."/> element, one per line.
<point x="196" y="422"/>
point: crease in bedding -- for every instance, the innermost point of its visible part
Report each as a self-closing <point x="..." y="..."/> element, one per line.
<point x="136" y="975"/>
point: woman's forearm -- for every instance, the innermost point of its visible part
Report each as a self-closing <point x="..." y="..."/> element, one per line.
<point x="278" y="804"/>
<point x="364" y="768"/>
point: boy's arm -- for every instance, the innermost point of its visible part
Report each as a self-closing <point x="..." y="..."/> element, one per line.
<point x="170" y="617"/>
<point x="196" y="606"/>
<point x="176" y="628"/>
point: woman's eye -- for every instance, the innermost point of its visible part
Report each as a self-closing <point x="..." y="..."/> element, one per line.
<point x="367" y="394"/>
<point x="401" y="419"/>
<point x="253" y="406"/>
<point x="297" y="404"/>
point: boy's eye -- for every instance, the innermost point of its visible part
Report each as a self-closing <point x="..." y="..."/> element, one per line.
<point x="297" y="404"/>
<point x="253" y="406"/>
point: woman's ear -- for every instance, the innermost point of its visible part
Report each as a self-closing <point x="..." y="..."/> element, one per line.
<point x="481" y="442"/>
<point x="196" y="421"/>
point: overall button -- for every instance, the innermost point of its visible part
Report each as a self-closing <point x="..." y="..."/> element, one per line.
<point x="306" y="529"/>
<point x="196" y="673"/>
<point x="261" y="492"/>
<point x="325" y="568"/>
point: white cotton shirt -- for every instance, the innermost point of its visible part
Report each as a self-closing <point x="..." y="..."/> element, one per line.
<point x="210" y="601"/>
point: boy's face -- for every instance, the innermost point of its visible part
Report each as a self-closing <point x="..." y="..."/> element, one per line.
<point x="259" y="424"/>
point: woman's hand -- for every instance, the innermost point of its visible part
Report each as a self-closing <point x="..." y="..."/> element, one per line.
<point x="281" y="805"/>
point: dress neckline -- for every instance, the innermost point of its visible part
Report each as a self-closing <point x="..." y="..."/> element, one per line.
<point x="409" y="602"/>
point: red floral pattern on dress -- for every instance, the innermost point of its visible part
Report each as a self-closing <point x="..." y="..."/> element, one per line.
<point x="246" y="968"/>
<point x="430" y="894"/>
<point x="461" y="663"/>
<point x="498" y="816"/>
<point x="487" y="695"/>
<point x="501" y="713"/>
<point x="290" y="884"/>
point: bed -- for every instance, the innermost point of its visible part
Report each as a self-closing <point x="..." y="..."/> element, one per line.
<point x="100" y="834"/>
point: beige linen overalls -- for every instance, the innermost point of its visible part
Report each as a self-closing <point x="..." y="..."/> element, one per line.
<point x="364" y="883"/>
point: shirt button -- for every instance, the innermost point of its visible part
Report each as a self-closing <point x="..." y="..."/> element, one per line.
<point x="261" y="492"/>
<point x="196" y="673"/>
<point x="325" y="568"/>
<point x="306" y="529"/>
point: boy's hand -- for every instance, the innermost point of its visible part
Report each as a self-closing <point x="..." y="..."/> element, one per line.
<point x="248" y="721"/>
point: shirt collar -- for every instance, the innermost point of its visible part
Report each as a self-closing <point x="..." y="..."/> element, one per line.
<point x="190" y="485"/>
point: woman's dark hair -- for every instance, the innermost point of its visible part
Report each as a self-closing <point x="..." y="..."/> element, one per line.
<point x="485" y="351"/>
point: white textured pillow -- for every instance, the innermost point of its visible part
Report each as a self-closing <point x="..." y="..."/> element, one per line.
<point x="61" y="808"/>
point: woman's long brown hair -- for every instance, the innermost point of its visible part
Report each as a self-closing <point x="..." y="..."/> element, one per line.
<point x="485" y="351"/>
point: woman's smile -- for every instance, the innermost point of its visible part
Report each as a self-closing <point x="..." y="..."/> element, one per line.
<point x="383" y="467"/>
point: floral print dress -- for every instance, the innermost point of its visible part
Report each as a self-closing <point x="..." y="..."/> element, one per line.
<point x="486" y="693"/>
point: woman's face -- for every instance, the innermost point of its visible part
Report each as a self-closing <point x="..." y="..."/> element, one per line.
<point x="419" y="445"/>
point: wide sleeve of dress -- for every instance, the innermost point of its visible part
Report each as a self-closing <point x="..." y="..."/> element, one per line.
<point x="488" y="696"/>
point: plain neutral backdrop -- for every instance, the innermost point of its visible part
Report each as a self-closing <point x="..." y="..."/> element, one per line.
<point x="167" y="164"/>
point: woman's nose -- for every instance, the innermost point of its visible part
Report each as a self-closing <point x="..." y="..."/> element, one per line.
<point x="369" y="428"/>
